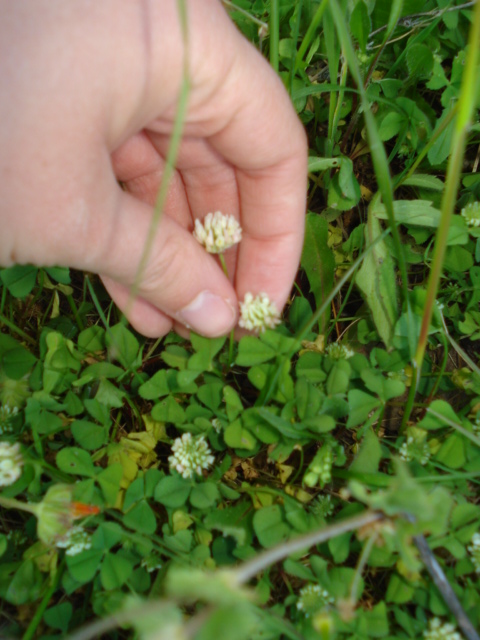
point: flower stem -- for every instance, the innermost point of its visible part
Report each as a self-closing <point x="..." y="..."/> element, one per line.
<point x="231" y="340"/>
<point x="11" y="503"/>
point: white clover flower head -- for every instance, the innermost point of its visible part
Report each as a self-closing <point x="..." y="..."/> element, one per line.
<point x="6" y="414"/>
<point x="474" y="551"/>
<point x="218" y="232"/>
<point x="258" y="314"/>
<point x="190" y="455"/>
<point x="11" y="463"/>
<point x="74" y="541"/>
<point x="151" y="563"/>
<point x="438" y="631"/>
<point x="339" y="351"/>
<point x="471" y="213"/>
<point x="312" y="598"/>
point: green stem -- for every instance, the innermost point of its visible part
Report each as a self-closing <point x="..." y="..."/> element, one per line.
<point x="37" y="618"/>
<point x="274" y="33"/>
<point x="251" y="568"/>
<point x="231" y="342"/>
<point x="362" y="562"/>
<point x="311" y="31"/>
<point x="12" y="503"/>
<point x="466" y="106"/>
<point x="15" y="329"/>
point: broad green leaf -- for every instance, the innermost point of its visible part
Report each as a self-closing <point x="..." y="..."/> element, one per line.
<point x="115" y="571"/>
<point x="59" y="616"/>
<point x="88" y="435"/>
<point x="424" y="181"/>
<point x="19" y="279"/>
<point x="17" y="362"/>
<point x="360" y="24"/>
<point x="452" y="452"/>
<point x="84" y="565"/>
<point x="25" y="585"/>
<point x="92" y="339"/>
<point x="75" y="461"/>
<point x="206" y="349"/>
<point x="253" y="351"/>
<point x="237" y="437"/>
<point x="360" y="405"/>
<point x="172" y="491"/>
<point x="109" y="482"/>
<point x="377" y="281"/>
<point x="123" y="346"/>
<point x="318" y="261"/>
<point x="141" y="518"/>
<point x="269" y="526"/>
<point x="233" y="403"/>
<point x="168" y="410"/>
<point x="368" y="458"/>
<point x="419" y="61"/>
<point x="204" y="496"/>
<point x="156" y="387"/>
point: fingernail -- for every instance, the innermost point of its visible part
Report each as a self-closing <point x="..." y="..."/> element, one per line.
<point x="208" y="314"/>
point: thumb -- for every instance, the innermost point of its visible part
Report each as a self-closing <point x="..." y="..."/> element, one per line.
<point x="181" y="282"/>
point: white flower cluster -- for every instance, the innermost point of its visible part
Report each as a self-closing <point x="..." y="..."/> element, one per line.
<point x="75" y="541"/>
<point x="11" y="463"/>
<point x="438" y="631"/>
<point x="313" y="598"/>
<point x="339" y="351"/>
<point x="217" y="425"/>
<point x="6" y="414"/>
<point x="474" y="550"/>
<point x="218" y="232"/>
<point x="190" y="455"/>
<point x="471" y="213"/>
<point x="416" y="446"/>
<point x="258" y="314"/>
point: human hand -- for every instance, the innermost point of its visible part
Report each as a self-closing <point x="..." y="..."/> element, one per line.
<point x="89" y="98"/>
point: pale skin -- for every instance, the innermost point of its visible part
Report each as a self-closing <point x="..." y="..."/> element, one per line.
<point x="89" y="91"/>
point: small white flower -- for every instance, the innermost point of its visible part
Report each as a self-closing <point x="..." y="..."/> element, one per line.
<point x="339" y="351"/>
<point x="75" y="541"/>
<point x="190" y="455"/>
<point x="258" y="314"/>
<point x="11" y="463"/>
<point x="471" y="213"/>
<point x="313" y="598"/>
<point x="218" y="232"/>
<point x="474" y="550"/>
<point x="438" y="631"/>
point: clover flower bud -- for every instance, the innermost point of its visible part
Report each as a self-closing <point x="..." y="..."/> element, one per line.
<point x="54" y="513"/>
<point x="218" y="232"/>
<point x="471" y="214"/>
<point x="338" y="351"/>
<point x="6" y="414"/>
<point x="151" y="563"/>
<point x="258" y="314"/>
<point x="438" y="631"/>
<point x="75" y="540"/>
<point x="320" y="468"/>
<point x="474" y="550"/>
<point x="416" y="446"/>
<point x="312" y="598"/>
<point x="11" y="463"/>
<point x="190" y="455"/>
